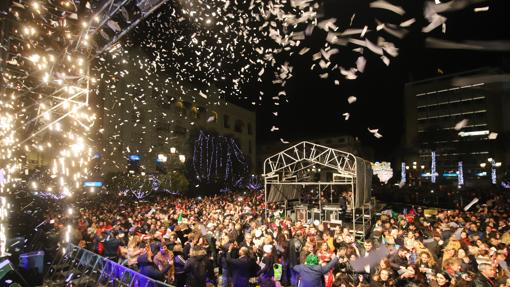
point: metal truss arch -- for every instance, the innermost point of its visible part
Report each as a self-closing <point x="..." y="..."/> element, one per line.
<point x="300" y="156"/>
<point x="312" y="168"/>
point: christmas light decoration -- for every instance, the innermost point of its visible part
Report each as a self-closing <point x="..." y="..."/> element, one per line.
<point x="403" y="173"/>
<point x="433" y="172"/>
<point x="460" y="171"/>
<point x="493" y="171"/>
<point x="254" y="183"/>
<point x="218" y="160"/>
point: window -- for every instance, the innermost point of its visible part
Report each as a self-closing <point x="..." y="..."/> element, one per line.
<point x="212" y="117"/>
<point x="162" y="127"/>
<point x="226" y="121"/>
<point x="180" y="130"/>
<point x="195" y="112"/>
<point x="239" y="125"/>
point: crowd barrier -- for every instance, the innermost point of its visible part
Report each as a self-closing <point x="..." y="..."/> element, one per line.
<point x="79" y="267"/>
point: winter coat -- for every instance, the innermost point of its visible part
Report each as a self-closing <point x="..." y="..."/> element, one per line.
<point x="482" y="281"/>
<point x="242" y="269"/>
<point x="196" y="271"/>
<point x="313" y="275"/>
<point x="150" y="269"/>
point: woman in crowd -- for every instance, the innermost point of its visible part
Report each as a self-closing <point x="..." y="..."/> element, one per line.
<point x="451" y="248"/>
<point x="165" y="262"/>
<point x="133" y="251"/>
<point x="196" y="267"/>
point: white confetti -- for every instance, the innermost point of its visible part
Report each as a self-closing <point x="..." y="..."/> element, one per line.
<point x="482" y="9"/>
<point x="361" y="63"/>
<point x="304" y="51"/>
<point x="387" y="6"/>
<point x="352" y="99"/>
<point x="375" y="132"/>
<point x="493" y="136"/>
<point x="460" y="125"/>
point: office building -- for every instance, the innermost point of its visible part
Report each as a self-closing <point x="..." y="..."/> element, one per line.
<point x="462" y="117"/>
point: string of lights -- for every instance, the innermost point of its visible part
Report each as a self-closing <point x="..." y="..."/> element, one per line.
<point x="403" y="174"/>
<point x="218" y="159"/>
<point x="493" y="171"/>
<point x="433" y="172"/>
<point x="460" y="176"/>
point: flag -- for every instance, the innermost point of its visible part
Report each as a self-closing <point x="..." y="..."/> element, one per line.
<point x="179" y="219"/>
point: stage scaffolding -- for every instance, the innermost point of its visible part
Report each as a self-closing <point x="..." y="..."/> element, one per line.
<point x="289" y="173"/>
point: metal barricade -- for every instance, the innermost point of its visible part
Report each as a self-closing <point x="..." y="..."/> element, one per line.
<point x="80" y="267"/>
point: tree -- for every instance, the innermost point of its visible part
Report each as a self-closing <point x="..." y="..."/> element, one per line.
<point x="179" y="182"/>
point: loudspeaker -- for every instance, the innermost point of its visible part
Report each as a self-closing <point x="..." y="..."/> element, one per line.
<point x="9" y="277"/>
<point x="31" y="266"/>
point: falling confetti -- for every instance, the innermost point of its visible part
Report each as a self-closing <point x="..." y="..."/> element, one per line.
<point x="462" y="124"/>
<point x="375" y="132"/>
<point x="493" y="136"/>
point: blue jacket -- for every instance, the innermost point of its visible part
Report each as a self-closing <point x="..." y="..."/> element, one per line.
<point x="242" y="270"/>
<point x="313" y="275"/>
<point x="149" y="269"/>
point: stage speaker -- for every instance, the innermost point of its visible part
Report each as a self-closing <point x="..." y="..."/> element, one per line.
<point x="9" y="277"/>
<point x="31" y="266"/>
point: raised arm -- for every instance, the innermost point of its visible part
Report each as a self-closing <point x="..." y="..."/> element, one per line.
<point x="330" y="265"/>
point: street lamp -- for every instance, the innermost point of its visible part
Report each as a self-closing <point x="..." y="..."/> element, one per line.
<point x="498" y="164"/>
<point x="172" y="150"/>
<point x="182" y="158"/>
<point x="483" y="165"/>
<point x="489" y="159"/>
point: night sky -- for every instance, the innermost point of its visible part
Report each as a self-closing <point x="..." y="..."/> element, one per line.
<point x="316" y="105"/>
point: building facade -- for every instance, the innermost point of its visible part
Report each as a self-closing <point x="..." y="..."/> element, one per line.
<point x="164" y="128"/>
<point x="462" y="118"/>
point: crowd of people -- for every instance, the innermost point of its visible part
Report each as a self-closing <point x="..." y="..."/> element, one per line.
<point x="226" y="240"/>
